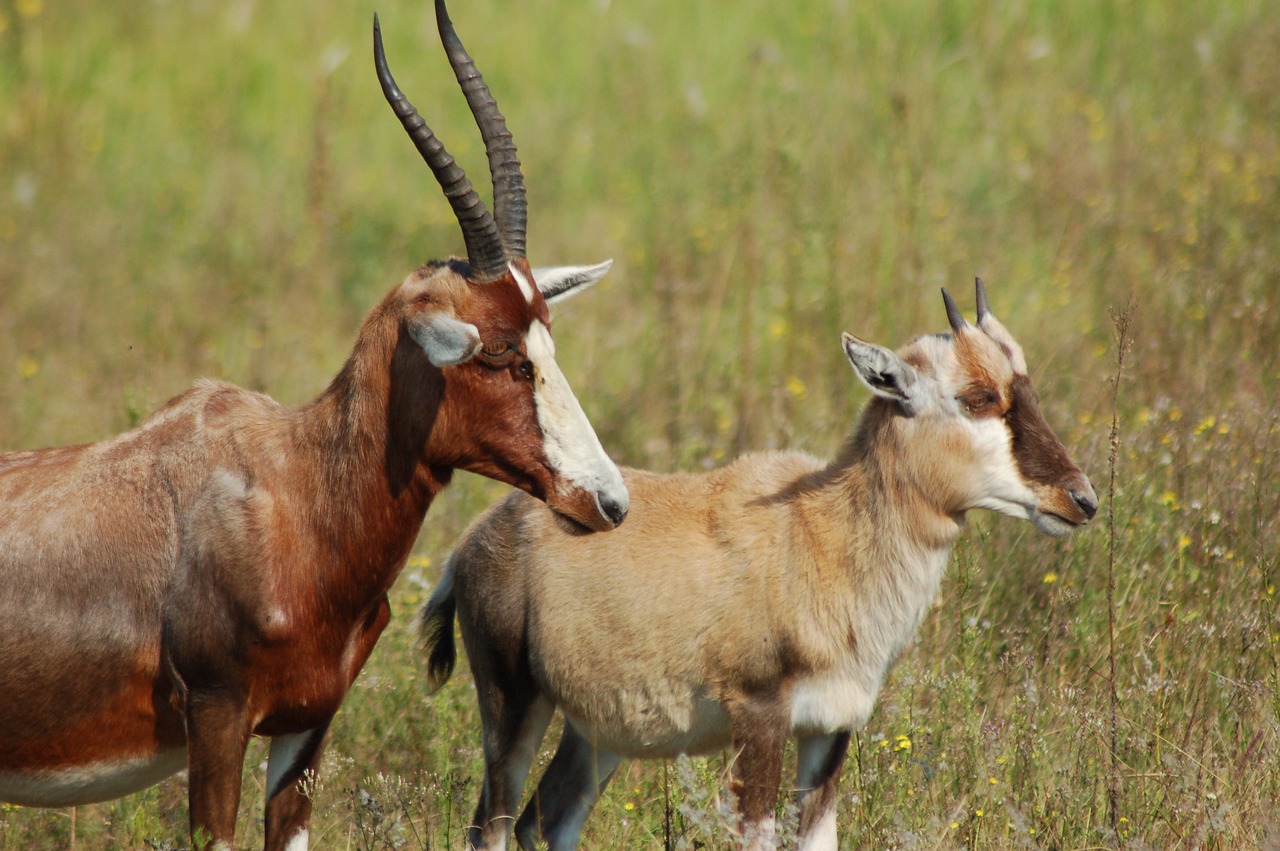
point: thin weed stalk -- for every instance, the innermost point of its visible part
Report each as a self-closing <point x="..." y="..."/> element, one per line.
<point x="1122" y="320"/>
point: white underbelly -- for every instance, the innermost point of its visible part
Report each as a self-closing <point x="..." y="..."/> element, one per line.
<point x="87" y="784"/>
<point x="642" y="731"/>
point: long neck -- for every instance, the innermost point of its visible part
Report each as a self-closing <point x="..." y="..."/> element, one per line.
<point x="896" y="485"/>
<point x="366" y="435"/>
<point x="889" y="537"/>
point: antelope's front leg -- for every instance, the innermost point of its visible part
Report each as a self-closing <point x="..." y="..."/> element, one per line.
<point x="217" y="735"/>
<point x="819" y="761"/>
<point x="760" y="725"/>
<point x="288" y="811"/>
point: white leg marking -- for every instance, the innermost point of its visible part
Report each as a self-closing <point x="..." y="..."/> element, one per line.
<point x="298" y="842"/>
<point x="812" y="757"/>
<point x="823" y="836"/>
<point x="760" y="836"/>
<point x="284" y="752"/>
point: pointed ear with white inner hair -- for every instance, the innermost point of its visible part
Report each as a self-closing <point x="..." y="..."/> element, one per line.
<point x="883" y="372"/>
<point x="559" y="282"/>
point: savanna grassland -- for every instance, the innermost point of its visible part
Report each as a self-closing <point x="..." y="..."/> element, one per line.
<point x="205" y="188"/>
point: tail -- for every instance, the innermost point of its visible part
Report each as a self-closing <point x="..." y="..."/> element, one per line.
<point x="435" y="627"/>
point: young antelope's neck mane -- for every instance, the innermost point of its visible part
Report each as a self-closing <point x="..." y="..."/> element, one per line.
<point x="880" y="471"/>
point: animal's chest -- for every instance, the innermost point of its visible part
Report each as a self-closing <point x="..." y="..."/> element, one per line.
<point x="303" y="683"/>
<point x="843" y="695"/>
<point x="840" y="698"/>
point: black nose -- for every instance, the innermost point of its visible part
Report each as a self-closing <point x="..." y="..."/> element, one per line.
<point x="1087" y="502"/>
<point x="611" y="508"/>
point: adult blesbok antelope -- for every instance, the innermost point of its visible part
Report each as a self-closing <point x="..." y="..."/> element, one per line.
<point x="222" y="570"/>
<point x="740" y="606"/>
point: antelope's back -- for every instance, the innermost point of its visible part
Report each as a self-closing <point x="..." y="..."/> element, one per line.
<point x="687" y="553"/>
<point x="89" y="539"/>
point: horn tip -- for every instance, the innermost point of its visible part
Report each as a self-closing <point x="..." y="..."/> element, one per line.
<point x="984" y="305"/>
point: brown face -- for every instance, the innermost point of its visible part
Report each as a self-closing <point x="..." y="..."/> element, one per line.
<point x="508" y="412"/>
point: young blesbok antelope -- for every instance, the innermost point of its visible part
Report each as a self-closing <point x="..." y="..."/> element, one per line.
<point x="222" y="570"/>
<point x="743" y="605"/>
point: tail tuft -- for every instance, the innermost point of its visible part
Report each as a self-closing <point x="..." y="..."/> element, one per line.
<point x="435" y="630"/>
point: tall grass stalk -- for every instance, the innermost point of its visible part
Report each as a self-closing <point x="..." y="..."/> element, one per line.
<point x="1121" y="320"/>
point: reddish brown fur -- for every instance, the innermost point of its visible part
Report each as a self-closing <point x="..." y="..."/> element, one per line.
<point x="223" y="568"/>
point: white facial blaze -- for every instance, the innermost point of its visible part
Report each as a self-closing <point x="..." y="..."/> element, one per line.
<point x="570" y="443"/>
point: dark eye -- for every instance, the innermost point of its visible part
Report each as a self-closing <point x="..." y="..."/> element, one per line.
<point x="979" y="402"/>
<point x="495" y="348"/>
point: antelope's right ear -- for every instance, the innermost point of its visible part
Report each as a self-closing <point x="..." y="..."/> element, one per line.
<point x="447" y="341"/>
<point x="560" y="282"/>
<point x="884" y="373"/>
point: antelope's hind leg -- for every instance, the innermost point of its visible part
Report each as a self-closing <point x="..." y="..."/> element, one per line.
<point x="573" y="782"/>
<point x="819" y="761"/>
<point x="514" y="724"/>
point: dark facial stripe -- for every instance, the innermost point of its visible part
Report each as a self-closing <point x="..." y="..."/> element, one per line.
<point x="1040" y="456"/>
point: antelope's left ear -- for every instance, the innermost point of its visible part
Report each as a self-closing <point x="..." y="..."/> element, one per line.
<point x="559" y="282"/>
<point x="884" y="373"/>
<point x="447" y="341"/>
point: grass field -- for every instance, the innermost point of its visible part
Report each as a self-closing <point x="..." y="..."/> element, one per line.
<point x="195" y="189"/>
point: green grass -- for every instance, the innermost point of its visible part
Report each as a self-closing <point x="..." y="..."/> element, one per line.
<point x="219" y="189"/>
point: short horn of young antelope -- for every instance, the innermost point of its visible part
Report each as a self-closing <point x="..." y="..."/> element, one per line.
<point x="738" y="607"/>
<point x="221" y="571"/>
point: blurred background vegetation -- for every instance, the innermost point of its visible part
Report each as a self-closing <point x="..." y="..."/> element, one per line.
<point x="192" y="188"/>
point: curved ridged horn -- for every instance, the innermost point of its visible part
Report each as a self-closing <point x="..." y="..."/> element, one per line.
<point x="510" y="208"/>
<point x="485" y="253"/>
<point x="954" y="316"/>
<point x="984" y="307"/>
